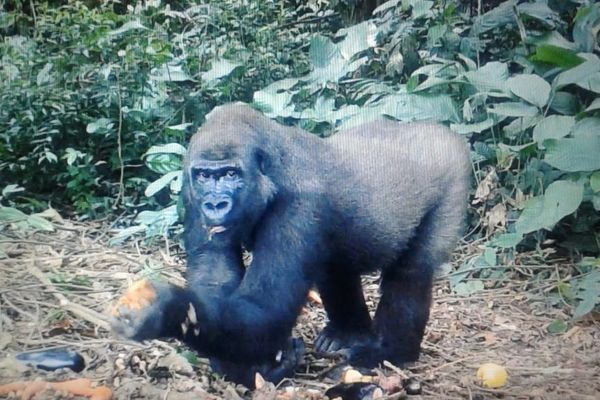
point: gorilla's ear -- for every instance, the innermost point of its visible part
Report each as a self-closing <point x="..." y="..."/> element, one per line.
<point x="263" y="160"/>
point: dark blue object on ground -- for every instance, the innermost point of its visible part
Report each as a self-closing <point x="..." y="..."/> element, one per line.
<point x="50" y="360"/>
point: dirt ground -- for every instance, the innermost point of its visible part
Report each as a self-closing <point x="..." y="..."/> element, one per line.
<point x="56" y="290"/>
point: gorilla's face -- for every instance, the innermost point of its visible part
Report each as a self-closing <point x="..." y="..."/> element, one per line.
<point x="219" y="188"/>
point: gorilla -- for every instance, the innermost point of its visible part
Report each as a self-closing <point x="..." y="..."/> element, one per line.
<point x="317" y="212"/>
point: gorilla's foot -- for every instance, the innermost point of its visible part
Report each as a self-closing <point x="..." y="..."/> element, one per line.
<point x="332" y="339"/>
<point x="274" y="371"/>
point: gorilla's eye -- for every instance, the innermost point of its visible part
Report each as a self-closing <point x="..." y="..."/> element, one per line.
<point x="231" y="173"/>
<point x="204" y="175"/>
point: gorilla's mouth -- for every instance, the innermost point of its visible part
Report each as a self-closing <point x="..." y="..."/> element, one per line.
<point x="213" y="230"/>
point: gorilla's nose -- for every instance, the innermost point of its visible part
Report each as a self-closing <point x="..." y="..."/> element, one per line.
<point x="216" y="208"/>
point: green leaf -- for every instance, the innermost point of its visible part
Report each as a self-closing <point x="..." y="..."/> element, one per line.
<point x="489" y="256"/>
<point x="220" y="68"/>
<point x="513" y="109"/>
<point x="170" y="73"/>
<point x="506" y="240"/>
<point x="39" y="223"/>
<point x="161" y="182"/>
<point x="531" y="88"/>
<point x="418" y="107"/>
<point x="564" y="103"/>
<point x="44" y="76"/>
<point x="358" y="38"/>
<point x="585" y="29"/>
<point x="100" y="126"/>
<point x="477" y="127"/>
<point x="162" y="162"/>
<point x="559" y="56"/>
<point x="589" y="293"/>
<point x="573" y="154"/>
<point x="9" y="214"/>
<point x="490" y="78"/>
<point x="578" y="75"/>
<point x="126" y="27"/>
<point x="557" y="326"/>
<point x="595" y="105"/>
<point x="543" y="212"/>
<point x="595" y="181"/>
<point x="586" y="127"/>
<point x="468" y="288"/>
<point x="169" y="148"/>
<point x="553" y="127"/>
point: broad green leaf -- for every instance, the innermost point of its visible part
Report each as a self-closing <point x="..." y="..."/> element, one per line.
<point x="586" y="127"/>
<point x="573" y="154"/>
<point x="543" y="212"/>
<point x="531" y="88"/>
<point x="38" y="223"/>
<point x="513" y="109"/>
<point x="169" y="148"/>
<point x="553" y="127"/>
<point x="539" y="10"/>
<point x="11" y="189"/>
<point x="591" y="83"/>
<point x="555" y="55"/>
<point x="163" y="162"/>
<point x="358" y="38"/>
<point x="126" y="27"/>
<point x="564" y="103"/>
<point x="579" y="74"/>
<point x="421" y="8"/>
<point x="220" y="68"/>
<point x="170" y="73"/>
<point x="489" y="78"/>
<point x="417" y="107"/>
<point x="595" y="181"/>
<point x="100" y="126"/>
<point x="595" y="105"/>
<point x="44" y="76"/>
<point x="469" y="287"/>
<point x="489" y="255"/>
<point x="160" y="183"/>
<point x="589" y="293"/>
<point x="477" y="127"/>
<point x="585" y="29"/>
<point x="9" y="214"/>
<point x="556" y="40"/>
<point x="498" y="17"/>
<point x="506" y="240"/>
<point x="557" y="326"/>
<point x="321" y="51"/>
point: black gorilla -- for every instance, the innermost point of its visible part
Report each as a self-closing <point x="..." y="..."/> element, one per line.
<point x="311" y="211"/>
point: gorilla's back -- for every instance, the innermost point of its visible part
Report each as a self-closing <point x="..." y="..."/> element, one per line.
<point x="398" y="172"/>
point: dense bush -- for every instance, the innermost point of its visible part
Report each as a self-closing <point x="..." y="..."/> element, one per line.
<point x="84" y="92"/>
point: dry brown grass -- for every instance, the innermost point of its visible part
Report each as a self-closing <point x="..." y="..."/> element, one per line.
<point x="56" y="290"/>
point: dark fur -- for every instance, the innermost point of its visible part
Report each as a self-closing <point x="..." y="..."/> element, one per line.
<point x="384" y="195"/>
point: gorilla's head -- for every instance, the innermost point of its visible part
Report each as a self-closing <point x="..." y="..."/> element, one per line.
<point x="226" y="173"/>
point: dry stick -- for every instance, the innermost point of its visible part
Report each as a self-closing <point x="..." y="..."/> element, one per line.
<point x="81" y="311"/>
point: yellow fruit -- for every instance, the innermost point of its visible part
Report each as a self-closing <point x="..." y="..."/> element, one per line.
<point x="492" y="375"/>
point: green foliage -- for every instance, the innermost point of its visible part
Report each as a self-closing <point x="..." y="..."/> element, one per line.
<point x="86" y="91"/>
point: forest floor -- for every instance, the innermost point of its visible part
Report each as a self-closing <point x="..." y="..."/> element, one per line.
<point x="56" y="290"/>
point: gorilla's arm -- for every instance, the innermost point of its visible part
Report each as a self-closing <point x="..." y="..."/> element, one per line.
<point x="249" y="319"/>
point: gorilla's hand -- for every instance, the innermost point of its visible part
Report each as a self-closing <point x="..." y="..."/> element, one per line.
<point x="139" y="313"/>
<point x="274" y="371"/>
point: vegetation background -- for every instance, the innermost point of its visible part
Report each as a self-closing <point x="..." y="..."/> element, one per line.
<point x="99" y="98"/>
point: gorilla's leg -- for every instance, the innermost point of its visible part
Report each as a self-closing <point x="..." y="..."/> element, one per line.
<point x="403" y="310"/>
<point x="349" y="321"/>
